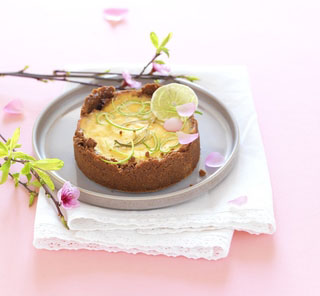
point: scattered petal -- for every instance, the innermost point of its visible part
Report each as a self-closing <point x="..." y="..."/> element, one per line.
<point x="14" y="107"/>
<point x="186" y="110"/>
<point x="186" y="138"/>
<point x="129" y="81"/>
<point x="160" y="68"/>
<point x="173" y="124"/>
<point x="239" y="201"/>
<point x="68" y="196"/>
<point x="115" y="14"/>
<point x="214" y="160"/>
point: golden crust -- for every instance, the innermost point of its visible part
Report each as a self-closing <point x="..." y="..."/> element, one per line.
<point x="143" y="176"/>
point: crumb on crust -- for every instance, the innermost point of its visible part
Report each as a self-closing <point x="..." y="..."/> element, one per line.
<point x="202" y="173"/>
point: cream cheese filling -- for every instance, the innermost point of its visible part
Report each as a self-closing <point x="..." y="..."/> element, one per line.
<point x="133" y="113"/>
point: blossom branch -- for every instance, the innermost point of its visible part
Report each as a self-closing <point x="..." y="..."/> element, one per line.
<point x="47" y="190"/>
<point x="61" y="75"/>
<point x="147" y="65"/>
<point x="4" y="139"/>
<point x="65" y="75"/>
<point x="50" y="195"/>
<point x="25" y="185"/>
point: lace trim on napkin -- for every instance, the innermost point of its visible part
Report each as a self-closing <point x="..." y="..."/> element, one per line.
<point x="214" y="244"/>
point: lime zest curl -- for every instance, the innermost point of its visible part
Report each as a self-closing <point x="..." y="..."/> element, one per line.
<point x="139" y="141"/>
<point x="156" y="146"/>
<point x="122" y="160"/>
<point x="166" y="140"/>
<point x="116" y="151"/>
<point x="128" y="103"/>
<point x="105" y="114"/>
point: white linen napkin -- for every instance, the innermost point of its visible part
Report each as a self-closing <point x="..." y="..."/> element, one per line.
<point x="200" y="228"/>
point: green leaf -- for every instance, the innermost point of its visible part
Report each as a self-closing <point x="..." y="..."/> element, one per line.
<point x="18" y="146"/>
<point x="191" y="78"/>
<point x="22" y="155"/>
<point x="29" y="177"/>
<point x="156" y="81"/>
<point x="166" y="40"/>
<point x="15" y="138"/>
<point x="165" y="50"/>
<point x="154" y="39"/>
<point x="48" y="164"/>
<point x="26" y="169"/>
<point x="36" y="183"/>
<point x="159" y="62"/>
<point x="5" y="171"/>
<point x="64" y="222"/>
<point x="32" y="195"/>
<point x="16" y="179"/>
<point x="3" y="150"/>
<point x="45" y="178"/>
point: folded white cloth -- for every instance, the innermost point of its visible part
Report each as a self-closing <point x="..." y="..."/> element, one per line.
<point x="200" y="228"/>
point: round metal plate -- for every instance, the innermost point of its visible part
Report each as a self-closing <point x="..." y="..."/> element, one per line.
<point x="53" y="138"/>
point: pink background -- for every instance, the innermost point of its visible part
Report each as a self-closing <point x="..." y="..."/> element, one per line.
<point x="279" y="43"/>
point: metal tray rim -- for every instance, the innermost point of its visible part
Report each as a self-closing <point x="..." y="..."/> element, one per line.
<point x="200" y="187"/>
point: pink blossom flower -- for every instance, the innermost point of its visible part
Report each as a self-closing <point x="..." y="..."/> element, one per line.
<point x="214" y="160"/>
<point x="68" y="196"/>
<point x="186" y="110"/>
<point x="173" y="124"/>
<point x="160" y="68"/>
<point x="14" y="107"/>
<point x="239" y="201"/>
<point x="186" y="138"/>
<point x="129" y="81"/>
<point x="115" y="15"/>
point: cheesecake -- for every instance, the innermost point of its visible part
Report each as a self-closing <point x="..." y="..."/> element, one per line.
<point x="119" y="143"/>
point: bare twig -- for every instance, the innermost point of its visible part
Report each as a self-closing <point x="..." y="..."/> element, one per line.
<point x="45" y="78"/>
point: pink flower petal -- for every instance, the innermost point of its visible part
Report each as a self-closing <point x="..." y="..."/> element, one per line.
<point x="186" y="138"/>
<point x="14" y="107"/>
<point x="71" y="205"/>
<point x="214" y="160"/>
<point x="186" y="110"/>
<point x="239" y="201"/>
<point x="161" y="68"/>
<point x="126" y="76"/>
<point x="68" y="196"/>
<point x="173" y="124"/>
<point x="129" y="81"/>
<point x="115" y="14"/>
<point x="135" y="84"/>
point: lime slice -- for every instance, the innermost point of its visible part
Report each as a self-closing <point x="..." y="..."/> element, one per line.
<point x="166" y="98"/>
